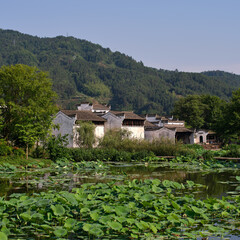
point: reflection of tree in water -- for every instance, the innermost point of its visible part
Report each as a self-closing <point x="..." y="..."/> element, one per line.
<point x="5" y="186"/>
<point x="217" y="183"/>
<point x="213" y="180"/>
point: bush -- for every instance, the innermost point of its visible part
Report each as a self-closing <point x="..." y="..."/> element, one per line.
<point x="86" y="137"/>
<point x="56" y="147"/>
<point x="138" y="156"/>
<point x="79" y="154"/>
<point x="118" y="140"/>
<point x="107" y="154"/>
<point x="208" y="155"/>
<point x="115" y="139"/>
<point x="18" y="152"/>
<point x="39" y="152"/>
<point x="233" y="150"/>
<point x="4" y="148"/>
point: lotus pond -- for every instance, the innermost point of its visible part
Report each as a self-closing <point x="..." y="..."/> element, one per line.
<point x="177" y="199"/>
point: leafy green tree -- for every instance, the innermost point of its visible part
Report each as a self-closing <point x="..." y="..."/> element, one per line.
<point x="213" y="111"/>
<point x="234" y="108"/>
<point x="191" y="110"/>
<point x="86" y="136"/>
<point x="28" y="104"/>
<point x="200" y="111"/>
<point x="228" y="125"/>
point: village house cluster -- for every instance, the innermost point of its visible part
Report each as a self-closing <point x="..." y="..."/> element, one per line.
<point x="149" y="126"/>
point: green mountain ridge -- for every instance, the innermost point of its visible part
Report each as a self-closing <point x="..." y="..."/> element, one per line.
<point x="82" y="71"/>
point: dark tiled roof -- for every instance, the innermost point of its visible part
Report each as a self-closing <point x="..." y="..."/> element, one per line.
<point x="164" y="118"/>
<point x="128" y="115"/>
<point x="148" y="124"/>
<point x="83" y="115"/>
<point x="98" y="106"/>
<point x="172" y="125"/>
<point x="177" y="127"/>
<point x="151" y="115"/>
<point x="142" y="115"/>
<point x="183" y="129"/>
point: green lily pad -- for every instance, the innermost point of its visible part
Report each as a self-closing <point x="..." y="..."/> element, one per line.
<point x="3" y="236"/>
<point x="58" y="210"/>
<point x="60" y="232"/>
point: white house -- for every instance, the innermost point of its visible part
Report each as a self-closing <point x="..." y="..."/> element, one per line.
<point x="69" y="120"/>
<point x="164" y="128"/>
<point x="203" y="136"/>
<point x="153" y="132"/>
<point x="125" y="120"/>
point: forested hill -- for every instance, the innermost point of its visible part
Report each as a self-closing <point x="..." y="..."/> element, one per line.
<point x="82" y="70"/>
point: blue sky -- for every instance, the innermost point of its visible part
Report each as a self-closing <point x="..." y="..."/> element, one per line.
<point x="188" y="35"/>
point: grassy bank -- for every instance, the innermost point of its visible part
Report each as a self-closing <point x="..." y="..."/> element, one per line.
<point x="20" y="161"/>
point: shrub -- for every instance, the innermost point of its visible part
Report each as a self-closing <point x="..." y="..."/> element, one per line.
<point x="233" y="150"/>
<point x="39" y="152"/>
<point x="208" y="155"/>
<point x="118" y="140"/>
<point x="138" y="156"/>
<point x="18" y="152"/>
<point x="114" y="138"/>
<point x="107" y="154"/>
<point x="86" y="137"/>
<point x="56" y="147"/>
<point x="4" y="148"/>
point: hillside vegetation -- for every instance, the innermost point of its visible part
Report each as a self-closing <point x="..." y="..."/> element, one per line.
<point x="82" y="70"/>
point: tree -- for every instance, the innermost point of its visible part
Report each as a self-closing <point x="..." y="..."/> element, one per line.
<point x="234" y="108"/>
<point x="228" y="125"/>
<point x="190" y="109"/>
<point x="86" y="136"/>
<point x="27" y="104"/>
<point x="213" y="111"/>
<point x="200" y="111"/>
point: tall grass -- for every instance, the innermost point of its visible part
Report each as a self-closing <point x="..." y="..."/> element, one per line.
<point x="118" y="141"/>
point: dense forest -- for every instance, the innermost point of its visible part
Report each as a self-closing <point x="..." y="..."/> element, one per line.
<point x="83" y="71"/>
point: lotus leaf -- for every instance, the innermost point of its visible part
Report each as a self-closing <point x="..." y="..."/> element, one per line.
<point x="60" y="232"/>
<point x="94" y="215"/>
<point x="70" y="223"/>
<point x="115" y="225"/>
<point x="58" y="210"/>
<point x="3" y="236"/>
<point x="122" y="210"/>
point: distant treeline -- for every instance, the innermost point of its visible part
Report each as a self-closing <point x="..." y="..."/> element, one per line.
<point x="82" y="69"/>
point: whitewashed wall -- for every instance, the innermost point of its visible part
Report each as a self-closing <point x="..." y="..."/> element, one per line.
<point x="113" y="122"/>
<point x="200" y="133"/>
<point x="136" y="131"/>
<point x="98" y="132"/>
<point x="160" y="134"/>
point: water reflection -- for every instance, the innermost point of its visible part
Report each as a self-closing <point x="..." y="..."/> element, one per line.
<point x="218" y="183"/>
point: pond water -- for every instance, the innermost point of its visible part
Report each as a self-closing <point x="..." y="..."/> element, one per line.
<point x="221" y="182"/>
<point x="218" y="183"/>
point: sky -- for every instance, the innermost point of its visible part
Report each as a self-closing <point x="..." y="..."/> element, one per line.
<point x="188" y="35"/>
